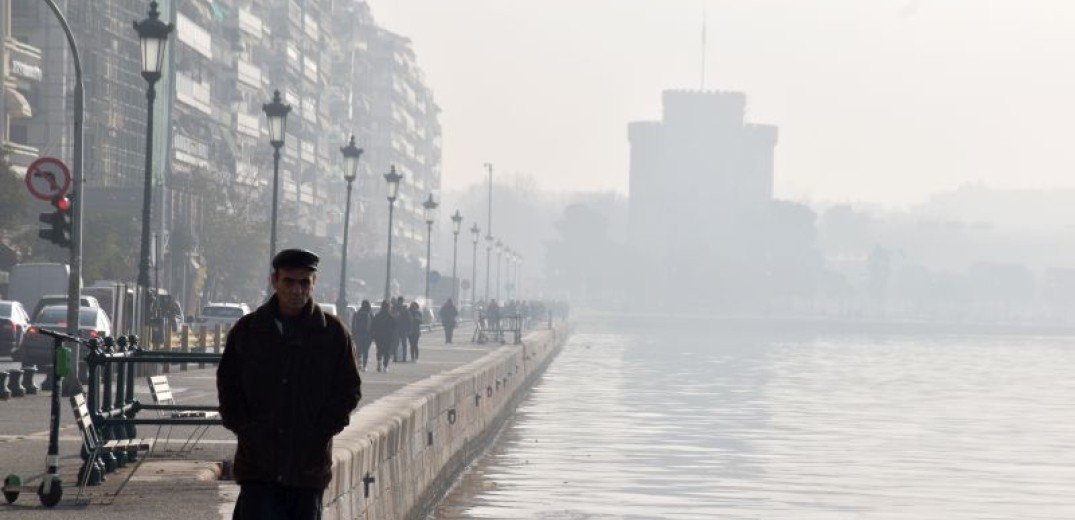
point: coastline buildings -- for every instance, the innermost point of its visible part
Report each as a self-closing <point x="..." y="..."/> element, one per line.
<point x="341" y="73"/>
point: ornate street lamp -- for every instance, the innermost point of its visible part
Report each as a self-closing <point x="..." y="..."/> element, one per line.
<point x="277" y="112"/>
<point x="457" y="222"/>
<point x="429" y="205"/>
<point x="152" y="37"/>
<point x="351" y="153"/>
<point x="392" y="178"/>
<point x="475" y="233"/>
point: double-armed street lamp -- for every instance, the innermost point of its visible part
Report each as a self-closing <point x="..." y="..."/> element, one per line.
<point x="475" y="233"/>
<point x="277" y="112"/>
<point x="429" y="206"/>
<point x="457" y="222"/>
<point x="392" y="178"/>
<point x="351" y="153"/>
<point x="152" y="38"/>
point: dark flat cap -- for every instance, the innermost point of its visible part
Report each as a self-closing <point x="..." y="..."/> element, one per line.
<point x="291" y="258"/>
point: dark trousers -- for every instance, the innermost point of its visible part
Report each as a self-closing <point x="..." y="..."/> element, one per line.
<point x="385" y="348"/>
<point x="449" y="328"/>
<point x="267" y="501"/>
<point x="363" y="350"/>
<point x="401" y="353"/>
<point x="413" y="337"/>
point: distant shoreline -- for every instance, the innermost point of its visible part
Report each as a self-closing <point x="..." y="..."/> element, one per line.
<point x="828" y="325"/>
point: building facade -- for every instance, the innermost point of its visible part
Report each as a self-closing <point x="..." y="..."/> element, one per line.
<point x="340" y="72"/>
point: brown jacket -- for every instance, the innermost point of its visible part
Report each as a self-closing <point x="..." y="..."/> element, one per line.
<point x="286" y="399"/>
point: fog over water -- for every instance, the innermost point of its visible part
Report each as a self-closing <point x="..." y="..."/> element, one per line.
<point x="654" y="418"/>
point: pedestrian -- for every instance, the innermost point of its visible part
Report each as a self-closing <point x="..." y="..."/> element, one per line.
<point x="287" y="384"/>
<point x="494" y="320"/>
<point x="403" y="329"/>
<point x="362" y="331"/>
<point x="384" y="335"/>
<point x="415" y="330"/>
<point x="448" y="315"/>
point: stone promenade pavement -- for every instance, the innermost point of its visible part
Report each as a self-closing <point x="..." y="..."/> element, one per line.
<point x="170" y="485"/>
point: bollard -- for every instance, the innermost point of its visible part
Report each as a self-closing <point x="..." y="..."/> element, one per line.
<point x="4" y="393"/>
<point x="28" y="385"/>
<point x="184" y="348"/>
<point x="14" y="382"/>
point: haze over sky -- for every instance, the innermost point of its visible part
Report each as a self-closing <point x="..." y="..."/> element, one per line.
<point x="880" y="101"/>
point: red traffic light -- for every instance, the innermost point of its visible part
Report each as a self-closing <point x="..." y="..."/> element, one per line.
<point x="62" y="203"/>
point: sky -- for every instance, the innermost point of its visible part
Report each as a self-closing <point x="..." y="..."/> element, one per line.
<point x="877" y="101"/>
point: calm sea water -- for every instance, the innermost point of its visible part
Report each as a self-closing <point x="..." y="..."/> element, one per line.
<point x="639" y="421"/>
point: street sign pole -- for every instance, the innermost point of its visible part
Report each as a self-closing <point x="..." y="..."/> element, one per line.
<point x="72" y="385"/>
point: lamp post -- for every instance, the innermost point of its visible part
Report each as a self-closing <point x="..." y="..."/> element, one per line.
<point x="475" y="233"/>
<point x="518" y="276"/>
<point x="152" y="37"/>
<point x="351" y="153"/>
<point x="508" y="256"/>
<point x="457" y="222"/>
<point x="488" y="264"/>
<point x="277" y="112"/>
<point x="429" y="206"/>
<point x="499" y="256"/>
<point x="392" y="178"/>
<point x="489" y="231"/>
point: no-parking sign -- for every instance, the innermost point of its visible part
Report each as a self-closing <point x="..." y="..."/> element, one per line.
<point x="48" y="178"/>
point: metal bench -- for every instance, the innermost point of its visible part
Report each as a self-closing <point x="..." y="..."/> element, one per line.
<point x="161" y="391"/>
<point x="95" y="447"/>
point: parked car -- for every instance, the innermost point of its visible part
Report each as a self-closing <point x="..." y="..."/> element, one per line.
<point x="61" y="299"/>
<point x="14" y="321"/>
<point x="36" y="349"/>
<point x="225" y="314"/>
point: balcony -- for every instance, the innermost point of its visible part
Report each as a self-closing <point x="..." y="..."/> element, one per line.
<point x="25" y="60"/>
<point x="20" y="156"/>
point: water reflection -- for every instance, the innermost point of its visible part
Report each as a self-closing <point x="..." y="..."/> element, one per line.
<point x="687" y="423"/>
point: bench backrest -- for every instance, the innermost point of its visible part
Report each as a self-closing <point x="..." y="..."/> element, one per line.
<point x="85" y="422"/>
<point x="160" y="390"/>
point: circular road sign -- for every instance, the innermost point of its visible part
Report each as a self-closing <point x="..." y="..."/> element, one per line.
<point x="48" y="178"/>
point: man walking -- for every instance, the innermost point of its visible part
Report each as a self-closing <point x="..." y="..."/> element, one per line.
<point x="384" y="335"/>
<point x="287" y="383"/>
<point x="448" y="315"/>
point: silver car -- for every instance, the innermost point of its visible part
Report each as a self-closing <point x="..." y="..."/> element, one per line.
<point x="36" y="349"/>
<point x="224" y="314"/>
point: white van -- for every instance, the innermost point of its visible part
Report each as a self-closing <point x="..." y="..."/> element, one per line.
<point x="29" y="282"/>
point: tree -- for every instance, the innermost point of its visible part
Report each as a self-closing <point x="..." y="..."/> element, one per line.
<point x="583" y="257"/>
<point x="236" y="257"/>
<point x="13" y="197"/>
<point x="110" y="246"/>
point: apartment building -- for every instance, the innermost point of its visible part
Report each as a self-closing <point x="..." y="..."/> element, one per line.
<point x="341" y="73"/>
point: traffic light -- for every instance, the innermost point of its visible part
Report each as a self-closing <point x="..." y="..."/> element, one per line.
<point x="59" y="222"/>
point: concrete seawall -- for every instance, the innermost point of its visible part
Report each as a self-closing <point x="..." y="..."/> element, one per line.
<point x="400" y="454"/>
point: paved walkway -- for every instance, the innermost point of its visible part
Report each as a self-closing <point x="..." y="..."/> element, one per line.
<point x="171" y="486"/>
